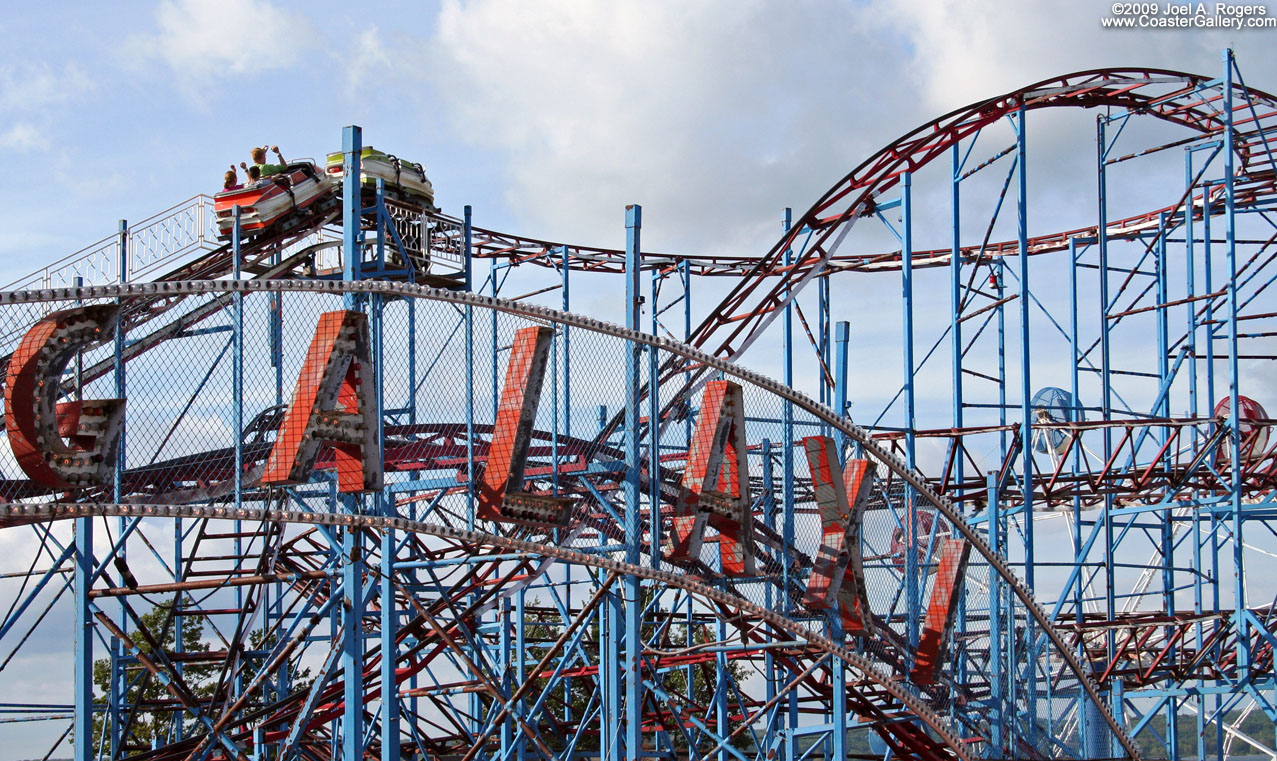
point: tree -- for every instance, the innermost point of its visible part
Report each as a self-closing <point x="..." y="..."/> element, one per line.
<point x="149" y="712"/>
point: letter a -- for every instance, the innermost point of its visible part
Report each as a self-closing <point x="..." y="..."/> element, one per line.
<point x="331" y="405"/>
<point x="501" y="495"/>
<point x="37" y="423"/>
<point x="838" y="573"/>
<point x="715" y="486"/>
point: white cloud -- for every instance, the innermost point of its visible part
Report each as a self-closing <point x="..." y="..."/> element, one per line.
<point x="205" y="42"/>
<point x="368" y="58"/>
<point x="34" y="87"/>
<point x="692" y="109"/>
<point x="23" y="136"/>
<point x="968" y="50"/>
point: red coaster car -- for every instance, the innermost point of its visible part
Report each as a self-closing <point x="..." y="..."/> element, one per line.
<point x="277" y="202"/>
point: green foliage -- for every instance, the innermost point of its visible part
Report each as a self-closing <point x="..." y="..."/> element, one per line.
<point x="157" y="712"/>
<point x="147" y="725"/>
<point x="1152" y="745"/>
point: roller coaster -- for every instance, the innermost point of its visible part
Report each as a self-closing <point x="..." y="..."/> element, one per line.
<point x="319" y="491"/>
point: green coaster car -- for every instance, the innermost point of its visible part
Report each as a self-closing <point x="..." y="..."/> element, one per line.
<point x="405" y="180"/>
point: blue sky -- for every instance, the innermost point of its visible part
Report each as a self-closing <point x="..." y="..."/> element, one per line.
<point x="547" y="117"/>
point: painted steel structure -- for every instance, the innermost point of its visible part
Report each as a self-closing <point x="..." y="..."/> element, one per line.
<point x="360" y="505"/>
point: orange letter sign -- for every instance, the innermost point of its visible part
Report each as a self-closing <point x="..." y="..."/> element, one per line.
<point x="945" y="594"/>
<point x="716" y="483"/>
<point x="37" y="423"/>
<point x="330" y="405"/>
<point x="511" y="436"/>
<point x="838" y="573"/>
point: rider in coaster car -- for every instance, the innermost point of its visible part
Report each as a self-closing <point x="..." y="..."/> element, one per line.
<point x="259" y="160"/>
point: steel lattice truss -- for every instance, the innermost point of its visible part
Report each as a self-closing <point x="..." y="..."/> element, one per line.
<point x="358" y="509"/>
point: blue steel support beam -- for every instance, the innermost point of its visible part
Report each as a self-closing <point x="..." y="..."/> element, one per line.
<point x="352" y="237"/>
<point x="1240" y="620"/>
<point x="1026" y="387"/>
<point x="352" y="564"/>
<point x="913" y="605"/>
<point x="492" y="323"/>
<point x="1026" y="392"/>
<point x="237" y="401"/>
<point x="1190" y="335"/>
<point x="115" y="695"/>
<point x="654" y="430"/>
<point x="842" y="337"/>
<point x="567" y="346"/>
<point x="389" y="609"/>
<point x="1106" y="388"/>
<point x="996" y="673"/>
<point x="1164" y="410"/>
<point x="352" y="721"/>
<point x="787" y="492"/>
<point x="631" y="677"/>
<point x="769" y="594"/>
<point x="82" y="728"/>
<point x="822" y="342"/>
<point x="468" y="241"/>
<point x="237" y="359"/>
<point x="955" y="299"/>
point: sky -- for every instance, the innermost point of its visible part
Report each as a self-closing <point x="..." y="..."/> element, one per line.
<point x="548" y="118"/>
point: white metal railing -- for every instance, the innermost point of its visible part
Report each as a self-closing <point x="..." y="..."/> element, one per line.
<point x="157" y="243"/>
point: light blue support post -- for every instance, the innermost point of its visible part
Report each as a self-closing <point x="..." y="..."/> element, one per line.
<point x="842" y="337"/>
<point x="237" y="359"/>
<point x="838" y="685"/>
<point x="119" y="368"/>
<point x="1190" y="335"/>
<point x="567" y="347"/>
<point x="822" y="342"/>
<point x="955" y="306"/>
<point x="469" y="318"/>
<point x="631" y="679"/>
<point x="82" y="731"/>
<point x="352" y="237"/>
<point x="352" y="563"/>
<point x="1106" y="388"/>
<point x="996" y="673"/>
<point x="1240" y="621"/>
<point x="1026" y="388"/>
<point x="492" y="322"/>
<point x="467" y="237"/>
<point x="1026" y="394"/>
<point x="115" y="695"/>
<point x="386" y="593"/>
<point x="1163" y="409"/>
<point x="237" y="401"/>
<point x="787" y="489"/>
<point x="352" y="660"/>
<point x="769" y="594"/>
<point x="504" y="657"/>
<point x="379" y="215"/>
<point x="654" y="431"/>
<point x="913" y="604"/>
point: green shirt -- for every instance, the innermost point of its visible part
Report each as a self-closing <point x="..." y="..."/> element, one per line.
<point x="268" y="169"/>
